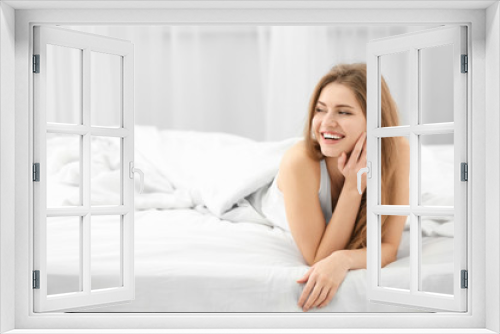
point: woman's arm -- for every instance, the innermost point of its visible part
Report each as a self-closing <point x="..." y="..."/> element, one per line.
<point x="356" y="258"/>
<point x="299" y="181"/>
<point x="325" y="277"/>
<point x="339" y="230"/>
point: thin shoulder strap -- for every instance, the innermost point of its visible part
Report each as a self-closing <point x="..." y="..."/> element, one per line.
<point x="325" y="194"/>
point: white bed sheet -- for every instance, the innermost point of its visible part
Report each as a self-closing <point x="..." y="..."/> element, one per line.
<point x="189" y="261"/>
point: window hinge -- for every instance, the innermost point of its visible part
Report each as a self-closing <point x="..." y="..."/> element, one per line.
<point x="36" y="63"/>
<point x="36" y="172"/>
<point x="465" y="279"/>
<point x="464" y="171"/>
<point x="36" y="279"/>
<point x="465" y="64"/>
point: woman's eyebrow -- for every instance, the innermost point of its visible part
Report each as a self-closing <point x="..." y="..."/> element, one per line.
<point x="337" y="106"/>
<point x="343" y="106"/>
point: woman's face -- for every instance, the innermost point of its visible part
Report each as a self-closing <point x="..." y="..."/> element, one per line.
<point x="337" y="115"/>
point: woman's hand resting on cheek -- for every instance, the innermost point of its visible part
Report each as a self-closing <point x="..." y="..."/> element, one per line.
<point x="322" y="281"/>
<point x="357" y="160"/>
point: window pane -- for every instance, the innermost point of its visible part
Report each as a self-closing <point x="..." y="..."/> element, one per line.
<point x="106" y="89"/>
<point x="391" y="155"/>
<point x="437" y="170"/>
<point x="436" y="262"/>
<point x="63" y="255"/>
<point x="64" y="85"/>
<point x="63" y="170"/>
<point x="436" y="84"/>
<point x="397" y="274"/>
<point x="105" y="171"/>
<point x="106" y="251"/>
<point x="395" y="69"/>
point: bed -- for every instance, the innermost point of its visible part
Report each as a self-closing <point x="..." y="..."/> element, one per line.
<point x="201" y="245"/>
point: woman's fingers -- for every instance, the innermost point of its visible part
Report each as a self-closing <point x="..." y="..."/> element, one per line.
<point x="362" y="157"/>
<point x="306" y="276"/>
<point x="306" y="292"/>
<point x="329" y="298"/>
<point x="364" y="149"/>
<point x="322" y="297"/>
<point x="312" y="298"/>
<point x="357" y="150"/>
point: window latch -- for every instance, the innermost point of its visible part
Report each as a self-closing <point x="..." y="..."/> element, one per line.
<point x="368" y="171"/>
<point x="133" y="170"/>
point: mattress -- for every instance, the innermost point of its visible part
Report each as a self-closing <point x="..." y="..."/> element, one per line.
<point x="191" y="261"/>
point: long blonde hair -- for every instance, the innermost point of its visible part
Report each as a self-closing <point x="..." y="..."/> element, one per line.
<point x="353" y="76"/>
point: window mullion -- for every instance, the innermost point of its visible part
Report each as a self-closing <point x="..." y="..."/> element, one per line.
<point x="422" y="129"/>
<point x="86" y="177"/>
<point x="109" y="132"/>
<point x="414" y="171"/>
<point x="73" y="129"/>
<point x="83" y="210"/>
<point x="406" y="210"/>
<point x="84" y="129"/>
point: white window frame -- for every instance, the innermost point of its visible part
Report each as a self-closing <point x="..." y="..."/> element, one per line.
<point x="123" y="50"/>
<point x="412" y="44"/>
<point x="484" y="212"/>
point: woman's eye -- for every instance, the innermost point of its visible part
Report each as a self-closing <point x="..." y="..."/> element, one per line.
<point x="344" y="113"/>
<point x="319" y="110"/>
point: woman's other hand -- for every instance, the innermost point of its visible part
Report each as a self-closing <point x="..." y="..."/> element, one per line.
<point x="357" y="160"/>
<point x="322" y="281"/>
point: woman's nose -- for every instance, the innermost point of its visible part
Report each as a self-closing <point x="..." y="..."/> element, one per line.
<point x="330" y="117"/>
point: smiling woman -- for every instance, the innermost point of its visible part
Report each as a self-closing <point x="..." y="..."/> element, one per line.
<point x="334" y="150"/>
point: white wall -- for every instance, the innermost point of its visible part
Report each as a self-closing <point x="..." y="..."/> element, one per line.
<point x="7" y="160"/>
<point x="253" y="81"/>
<point x="492" y="162"/>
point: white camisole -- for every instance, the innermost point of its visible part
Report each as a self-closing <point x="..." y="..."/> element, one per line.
<point x="273" y="204"/>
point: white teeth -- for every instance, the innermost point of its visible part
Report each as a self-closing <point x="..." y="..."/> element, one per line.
<point x="330" y="136"/>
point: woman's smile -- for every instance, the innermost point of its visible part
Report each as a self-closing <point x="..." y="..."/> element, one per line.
<point x="331" y="138"/>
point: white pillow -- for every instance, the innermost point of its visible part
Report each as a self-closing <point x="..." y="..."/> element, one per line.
<point x="186" y="154"/>
<point x="239" y="171"/>
<point x="219" y="169"/>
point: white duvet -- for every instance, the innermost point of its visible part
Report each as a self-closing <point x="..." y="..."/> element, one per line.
<point x="201" y="247"/>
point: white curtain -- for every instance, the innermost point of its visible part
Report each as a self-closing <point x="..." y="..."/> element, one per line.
<point x="253" y="81"/>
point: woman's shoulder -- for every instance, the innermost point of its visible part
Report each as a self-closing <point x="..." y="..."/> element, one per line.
<point x="297" y="156"/>
<point x="298" y="163"/>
